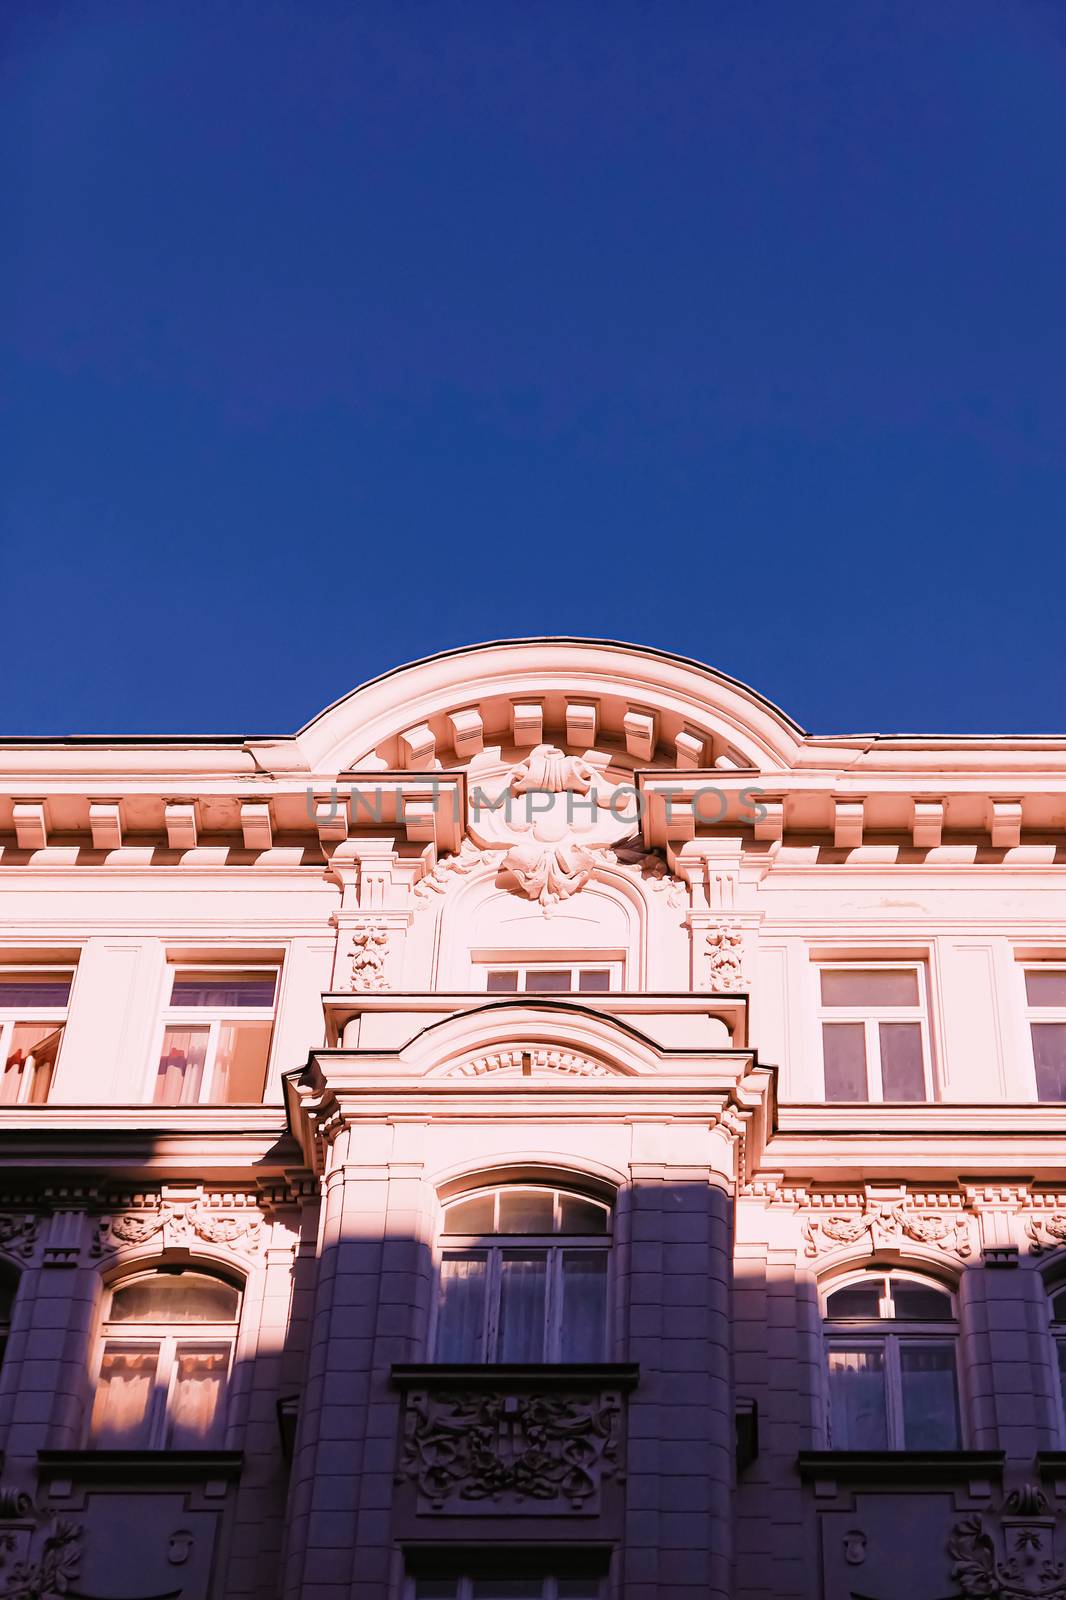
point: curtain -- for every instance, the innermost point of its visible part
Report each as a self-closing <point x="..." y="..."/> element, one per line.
<point x="584" y="1309"/>
<point x="461" y="1319"/>
<point x="196" y="1402"/>
<point x="930" y="1406"/>
<point x="857" y="1415"/>
<point x="181" y="1066"/>
<point x="123" y="1392"/>
<point x="523" y="1293"/>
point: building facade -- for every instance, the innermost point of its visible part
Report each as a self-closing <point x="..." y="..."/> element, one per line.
<point x="550" y="1128"/>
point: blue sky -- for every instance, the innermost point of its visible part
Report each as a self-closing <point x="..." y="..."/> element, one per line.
<point x="338" y="333"/>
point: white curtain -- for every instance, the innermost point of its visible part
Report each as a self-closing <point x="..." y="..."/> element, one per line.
<point x="857" y="1415"/>
<point x="461" y="1319"/>
<point x="523" y="1288"/>
<point x="930" y="1404"/>
<point x="584" y="1309"/>
<point x="123" y="1393"/>
<point x="181" y="1066"/>
<point x="196" y="1402"/>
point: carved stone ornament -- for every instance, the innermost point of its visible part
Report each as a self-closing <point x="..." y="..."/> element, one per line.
<point x="370" y="947"/>
<point x="18" y="1233"/>
<point x="725" y="947"/>
<point x="886" y="1225"/>
<point x="1046" y="1232"/>
<point x="32" y="1568"/>
<point x="472" y="1452"/>
<point x="177" y="1226"/>
<point x="1016" y="1561"/>
<point x="530" y="1063"/>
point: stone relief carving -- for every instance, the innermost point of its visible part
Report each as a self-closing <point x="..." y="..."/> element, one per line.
<point x="536" y="1059"/>
<point x="1046" y="1232"/>
<point x="888" y="1225"/>
<point x="174" y="1225"/>
<point x="370" y="947"/>
<point x="18" y="1233"/>
<point x="1014" y="1562"/>
<point x="58" y="1557"/>
<point x="725" y="948"/>
<point x="465" y="1448"/>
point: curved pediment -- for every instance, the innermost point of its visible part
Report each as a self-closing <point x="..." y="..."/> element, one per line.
<point x="531" y="1038"/>
<point x="638" y="707"/>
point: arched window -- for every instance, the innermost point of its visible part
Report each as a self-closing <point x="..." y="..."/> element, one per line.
<point x="890" y="1346"/>
<point x="8" y="1288"/>
<point x="165" y="1355"/>
<point x="523" y="1277"/>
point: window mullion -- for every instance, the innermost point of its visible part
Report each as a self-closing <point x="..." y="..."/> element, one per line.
<point x="894" y="1388"/>
<point x="492" y="1305"/>
<point x="874" y="1085"/>
<point x="207" y="1085"/>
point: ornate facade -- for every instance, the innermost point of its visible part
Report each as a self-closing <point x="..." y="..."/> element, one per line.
<point x="548" y="1128"/>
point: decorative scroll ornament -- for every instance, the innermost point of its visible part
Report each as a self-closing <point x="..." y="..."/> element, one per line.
<point x="1017" y="1561"/>
<point x="547" y="1451"/>
<point x="56" y="1569"/>
<point x="18" y="1233"/>
<point x="1046" y="1232"/>
<point x="173" y="1226"/>
<point x="370" y="946"/>
<point x="725" y="945"/>
<point x="888" y="1225"/>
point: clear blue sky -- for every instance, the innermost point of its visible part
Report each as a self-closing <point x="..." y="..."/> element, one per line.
<point x="338" y="333"/>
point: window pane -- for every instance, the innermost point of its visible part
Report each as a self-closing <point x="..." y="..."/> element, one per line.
<point x="181" y="1066"/>
<point x="1058" y="1306"/>
<point x="28" y="990"/>
<point x="902" y="1072"/>
<point x="930" y="1408"/>
<point x="870" y="987"/>
<point x="523" y="1283"/>
<point x="526" y="1210"/>
<point x="471" y="1216"/>
<point x="857" y="1300"/>
<point x="228" y="989"/>
<point x="121" y="1411"/>
<point x="578" y="1215"/>
<point x="594" y="980"/>
<point x="195" y="1419"/>
<point x="1049" y="1058"/>
<point x="502" y="983"/>
<point x="583" y="1335"/>
<point x="32" y="1057"/>
<point x="857" y="1415"/>
<point x="539" y="980"/>
<point x="1060" y="1347"/>
<point x="241" y="1063"/>
<point x="461" y="1321"/>
<point x="920" y="1302"/>
<point x="1041" y="988"/>
<point x="174" y="1297"/>
<point x="844" y="1053"/>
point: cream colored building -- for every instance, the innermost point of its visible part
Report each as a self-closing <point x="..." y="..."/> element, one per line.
<point x="550" y="1128"/>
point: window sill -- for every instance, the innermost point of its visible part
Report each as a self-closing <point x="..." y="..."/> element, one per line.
<point x="142" y="1466"/>
<point x="541" y="1375"/>
<point x="898" y="1466"/>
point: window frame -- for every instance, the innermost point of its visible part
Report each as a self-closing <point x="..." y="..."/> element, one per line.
<point x="494" y="1246"/>
<point x="1034" y="1015"/>
<point x="12" y="1017"/>
<point x="214" y="1018"/>
<point x="871" y="1016"/>
<point x="889" y="1334"/>
<point x="523" y="966"/>
<point x="464" y="1584"/>
<point x="1057" y="1330"/>
<point x="169" y="1343"/>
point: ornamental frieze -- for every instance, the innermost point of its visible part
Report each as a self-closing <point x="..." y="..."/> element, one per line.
<point x="18" y="1233"/>
<point x="887" y="1225"/>
<point x="472" y="1451"/>
<point x="172" y="1225"/>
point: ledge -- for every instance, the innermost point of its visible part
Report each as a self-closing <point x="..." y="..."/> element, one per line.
<point x="146" y="1466"/>
<point x="516" y="1375"/>
<point x="899" y="1466"/>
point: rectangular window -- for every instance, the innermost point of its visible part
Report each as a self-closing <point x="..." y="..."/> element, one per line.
<point x="33" y="1012"/>
<point x="893" y="1394"/>
<point x="524" y="1304"/>
<point x="875" y="1043"/>
<point x="1045" y="993"/>
<point x="217" y="1029"/>
<point x="554" y="978"/>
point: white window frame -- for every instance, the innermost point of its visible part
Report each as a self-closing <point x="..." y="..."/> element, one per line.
<point x="1057" y="1328"/>
<point x="888" y="1335"/>
<point x="213" y="1018"/>
<point x="493" y="1246"/>
<point x="1038" y="1014"/>
<point x="524" y="966"/>
<point x="12" y="1016"/>
<point x="872" y="1016"/>
<point x="137" y="1335"/>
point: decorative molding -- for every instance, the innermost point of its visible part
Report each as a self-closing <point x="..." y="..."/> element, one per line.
<point x="468" y="857"/>
<point x="1046" y="1232"/>
<point x="725" y="948"/>
<point x="530" y="1061"/>
<point x="56" y="1566"/>
<point x="18" y="1234"/>
<point x="370" y="947"/>
<point x="179" y="1225"/>
<point x="1015" y="1561"/>
<point x="888" y="1224"/>
<point x="469" y="1451"/>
